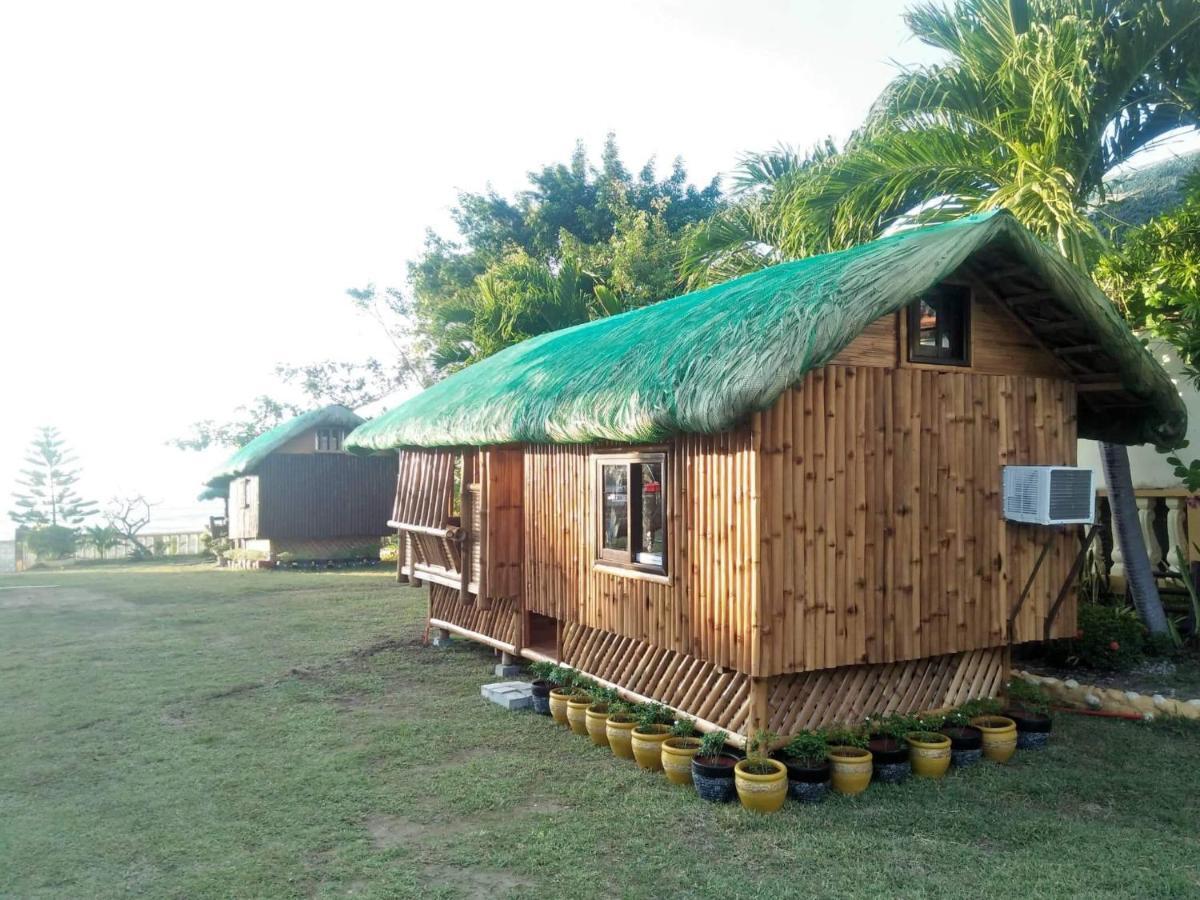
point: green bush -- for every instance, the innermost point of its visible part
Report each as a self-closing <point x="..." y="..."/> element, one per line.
<point x="52" y="541"/>
<point x="1109" y="638"/>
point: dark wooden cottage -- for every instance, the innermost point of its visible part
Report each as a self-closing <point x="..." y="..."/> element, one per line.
<point x="295" y="490"/>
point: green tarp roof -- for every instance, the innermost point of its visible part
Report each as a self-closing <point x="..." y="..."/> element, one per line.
<point x="703" y="361"/>
<point x="247" y="458"/>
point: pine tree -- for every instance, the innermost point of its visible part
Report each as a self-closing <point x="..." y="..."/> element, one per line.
<point x="46" y="493"/>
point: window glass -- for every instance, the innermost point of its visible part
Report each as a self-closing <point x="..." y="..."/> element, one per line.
<point x="615" y="506"/>
<point x="651" y="534"/>
<point x="938" y="325"/>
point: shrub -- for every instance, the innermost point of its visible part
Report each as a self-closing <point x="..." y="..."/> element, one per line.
<point x="52" y="541"/>
<point x="847" y="737"/>
<point x="1028" y="696"/>
<point x="712" y="744"/>
<point x="683" y="728"/>
<point x="809" y="748"/>
<point x="1109" y="637"/>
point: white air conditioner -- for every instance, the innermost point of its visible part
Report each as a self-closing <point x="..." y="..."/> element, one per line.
<point x="1049" y="495"/>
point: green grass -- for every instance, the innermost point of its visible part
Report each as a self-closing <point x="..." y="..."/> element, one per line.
<point x="185" y="732"/>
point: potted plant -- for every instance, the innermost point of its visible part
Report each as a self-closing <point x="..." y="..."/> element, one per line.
<point x="928" y="749"/>
<point x="1029" y="707"/>
<point x="850" y="762"/>
<point x="712" y="769"/>
<point x="806" y="757"/>
<point x="761" y="782"/>
<point x="618" y="728"/>
<point x="597" y="715"/>
<point x="542" y="685"/>
<point x="966" y="741"/>
<point x="578" y="702"/>
<point x="562" y="691"/>
<point x="678" y="750"/>
<point x="888" y="747"/>
<point x="653" y="727"/>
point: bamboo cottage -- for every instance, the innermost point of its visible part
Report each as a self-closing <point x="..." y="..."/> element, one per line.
<point x="295" y="490"/>
<point x="778" y="502"/>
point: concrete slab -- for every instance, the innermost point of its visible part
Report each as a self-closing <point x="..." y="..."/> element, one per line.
<point x="512" y="695"/>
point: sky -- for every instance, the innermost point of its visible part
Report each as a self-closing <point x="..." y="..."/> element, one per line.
<point x="187" y="190"/>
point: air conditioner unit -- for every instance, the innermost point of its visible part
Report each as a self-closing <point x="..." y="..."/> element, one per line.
<point x="1049" y="495"/>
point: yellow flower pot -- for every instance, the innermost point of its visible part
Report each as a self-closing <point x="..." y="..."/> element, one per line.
<point x="762" y="793"/>
<point x="677" y="753"/>
<point x="597" y="724"/>
<point x="558" y="704"/>
<point x="999" y="737"/>
<point x="647" y="746"/>
<point x="849" y="770"/>
<point x="930" y="759"/>
<point x="577" y="707"/>
<point x="619" y="731"/>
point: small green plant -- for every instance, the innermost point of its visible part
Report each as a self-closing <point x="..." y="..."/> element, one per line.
<point x="984" y="706"/>
<point x="1026" y="695"/>
<point x="895" y="726"/>
<point x="605" y="695"/>
<point x="621" y="710"/>
<point x="683" y="728"/>
<point x="712" y="745"/>
<point x="584" y="685"/>
<point x="561" y="676"/>
<point x="808" y="748"/>
<point x="650" y="715"/>
<point x="926" y="737"/>
<point x="847" y="737"/>
<point x="758" y="751"/>
<point x="541" y="670"/>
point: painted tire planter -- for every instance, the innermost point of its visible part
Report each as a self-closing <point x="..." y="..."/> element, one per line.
<point x="713" y="777"/>
<point x="891" y="761"/>
<point x="677" y="755"/>
<point x="597" y="724"/>
<point x="619" y="731"/>
<point x="807" y="784"/>
<point x="929" y="758"/>
<point x="849" y="770"/>
<point x="577" y="708"/>
<point x="647" y="746"/>
<point x="541" y="697"/>
<point x="1033" y="730"/>
<point x="966" y="745"/>
<point x="999" y="737"/>
<point x="762" y="793"/>
<point x="558" y="705"/>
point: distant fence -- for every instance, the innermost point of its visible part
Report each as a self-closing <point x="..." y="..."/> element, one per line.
<point x="175" y="543"/>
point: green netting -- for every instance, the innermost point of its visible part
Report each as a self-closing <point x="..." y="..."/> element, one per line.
<point x="248" y="457"/>
<point x="703" y="361"/>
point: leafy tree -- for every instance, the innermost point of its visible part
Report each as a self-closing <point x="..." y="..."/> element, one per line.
<point x="1039" y="98"/>
<point x="46" y="490"/>
<point x="52" y="541"/>
<point x="579" y="243"/>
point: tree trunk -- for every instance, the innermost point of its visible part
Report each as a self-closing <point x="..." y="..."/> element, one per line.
<point x="1127" y="532"/>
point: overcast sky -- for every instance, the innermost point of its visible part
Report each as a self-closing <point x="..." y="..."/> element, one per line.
<point x="187" y="190"/>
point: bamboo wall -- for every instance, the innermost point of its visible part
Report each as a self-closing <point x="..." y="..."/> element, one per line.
<point x="882" y="535"/>
<point x="706" y="606"/>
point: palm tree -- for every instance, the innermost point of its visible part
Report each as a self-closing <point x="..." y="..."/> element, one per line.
<point x="1038" y="99"/>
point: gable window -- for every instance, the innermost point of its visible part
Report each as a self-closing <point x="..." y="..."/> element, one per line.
<point x="631" y="513"/>
<point x="329" y="440"/>
<point x="939" y="327"/>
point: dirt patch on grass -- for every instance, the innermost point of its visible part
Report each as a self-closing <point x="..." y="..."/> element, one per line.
<point x="394" y="831"/>
<point x="477" y="884"/>
<point x="383" y="646"/>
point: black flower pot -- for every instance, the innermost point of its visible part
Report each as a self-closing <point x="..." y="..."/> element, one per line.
<point x="806" y="784"/>
<point x="890" y="759"/>
<point x="966" y="745"/>
<point x="1033" y="729"/>
<point x="541" y="697"/>
<point x="713" y="777"/>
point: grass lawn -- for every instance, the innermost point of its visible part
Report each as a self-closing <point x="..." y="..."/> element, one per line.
<point x="186" y="732"/>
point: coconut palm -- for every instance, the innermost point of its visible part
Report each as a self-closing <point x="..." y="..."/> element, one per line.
<point x="1037" y="100"/>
